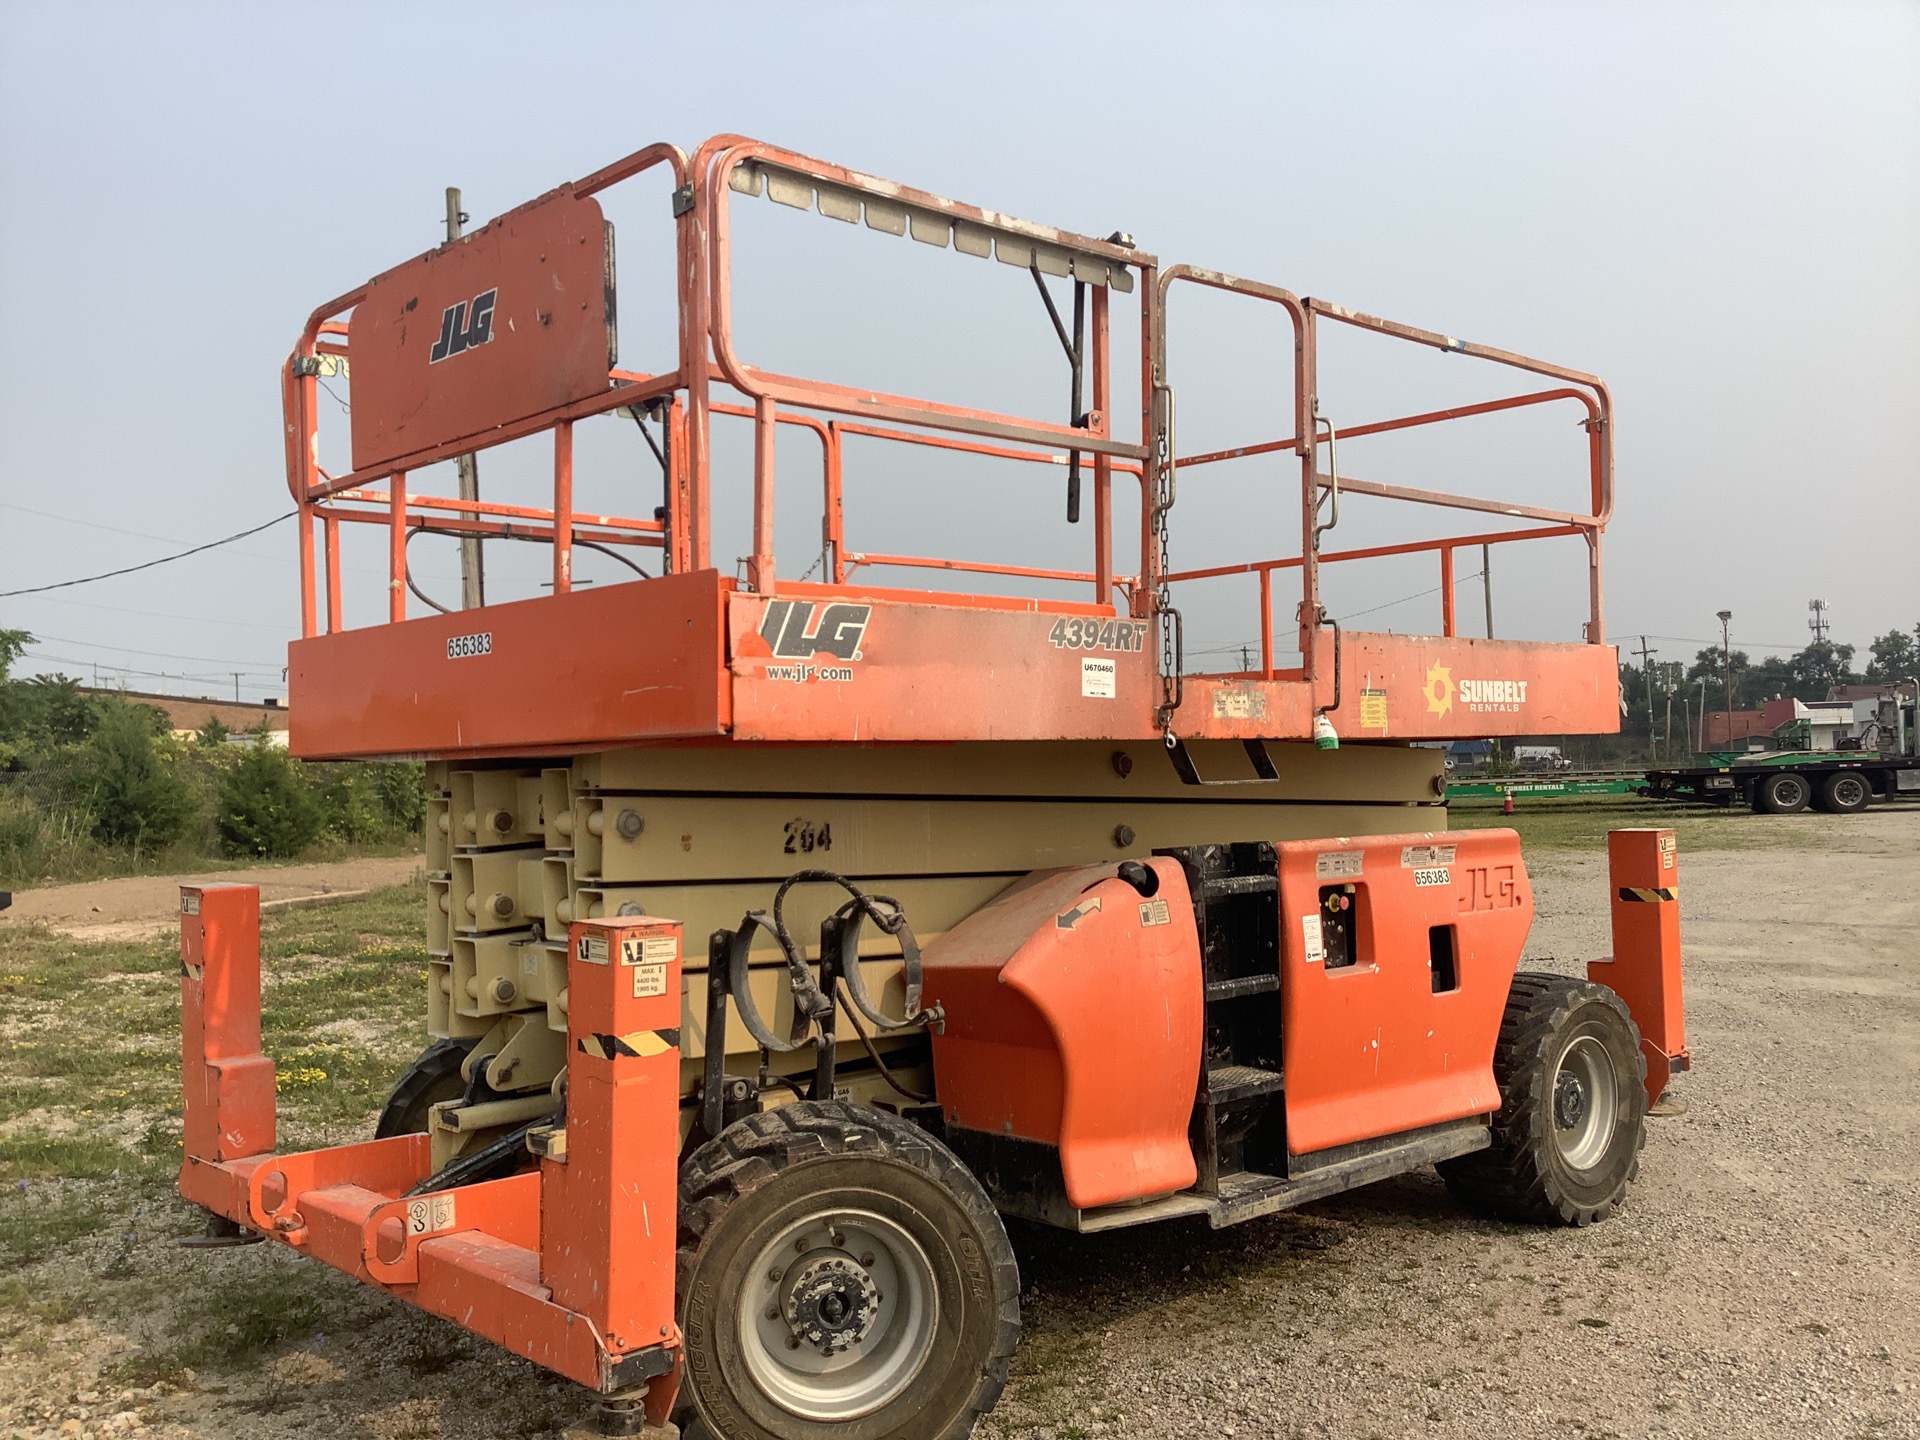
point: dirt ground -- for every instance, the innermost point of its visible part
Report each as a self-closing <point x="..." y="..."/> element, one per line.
<point x="133" y="907"/>
<point x="1763" y="1281"/>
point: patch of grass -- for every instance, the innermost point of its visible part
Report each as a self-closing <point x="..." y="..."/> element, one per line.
<point x="1582" y="822"/>
<point x="36" y="1220"/>
<point x="95" y="1045"/>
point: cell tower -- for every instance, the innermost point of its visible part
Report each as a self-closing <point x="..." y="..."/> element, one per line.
<point x="1818" y="624"/>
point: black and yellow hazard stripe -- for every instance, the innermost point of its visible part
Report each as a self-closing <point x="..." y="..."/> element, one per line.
<point x="640" y="1044"/>
<point x="1649" y="892"/>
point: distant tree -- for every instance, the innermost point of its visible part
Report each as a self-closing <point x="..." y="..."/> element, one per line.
<point x="214" y="732"/>
<point x="1820" y="667"/>
<point x="12" y="644"/>
<point x="136" y="797"/>
<point x="266" y="806"/>
<point x="1896" y="656"/>
<point x="1711" y="665"/>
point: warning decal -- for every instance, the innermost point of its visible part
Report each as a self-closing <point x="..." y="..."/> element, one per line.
<point x="1650" y="893"/>
<point x="430" y="1214"/>
<point x="1373" y="710"/>
<point x="1155" y="912"/>
<point x="593" y="950"/>
<point x="1338" y="864"/>
<point x="649" y="978"/>
<point x="1314" y="951"/>
<point x="1421" y="857"/>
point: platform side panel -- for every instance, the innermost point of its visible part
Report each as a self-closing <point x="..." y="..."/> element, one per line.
<point x="1419" y="687"/>
<point x="869" y="669"/>
<point x="1388" y="1033"/>
<point x="511" y="321"/>
<point x="638" y="661"/>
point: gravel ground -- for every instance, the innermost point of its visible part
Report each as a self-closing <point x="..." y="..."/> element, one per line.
<point x="1763" y="1281"/>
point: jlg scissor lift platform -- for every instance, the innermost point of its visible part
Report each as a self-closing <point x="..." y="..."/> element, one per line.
<point x="785" y="926"/>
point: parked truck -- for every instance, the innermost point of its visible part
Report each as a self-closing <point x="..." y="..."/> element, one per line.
<point x="1840" y="763"/>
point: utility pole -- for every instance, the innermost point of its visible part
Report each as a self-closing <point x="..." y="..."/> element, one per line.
<point x="1726" y="658"/>
<point x="1646" y="668"/>
<point x="1246" y="660"/>
<point x="1486" y="583"/>
<point x="1818" y="624"/>
<point x="473" y="584"/>
<point x="236" y="685"/>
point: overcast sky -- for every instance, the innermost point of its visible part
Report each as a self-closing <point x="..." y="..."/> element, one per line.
<point x="1714" y="207"/>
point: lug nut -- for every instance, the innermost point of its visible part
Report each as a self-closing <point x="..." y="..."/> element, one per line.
<point x="867" y="1258"/>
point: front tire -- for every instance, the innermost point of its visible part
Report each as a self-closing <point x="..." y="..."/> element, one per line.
<point x="433" y="1077"/>
<point x="1566" y="1142"/>
<point x="842" y="1276"/>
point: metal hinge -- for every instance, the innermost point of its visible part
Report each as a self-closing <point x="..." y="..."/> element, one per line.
<point x="682" y="201"/>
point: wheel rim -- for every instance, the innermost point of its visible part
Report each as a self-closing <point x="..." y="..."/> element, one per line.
<point x="1848" y="790"/>
<point x="1586" y="1103"/>
<point x="1790" y="791"/>
<point x="838" y="1315"/>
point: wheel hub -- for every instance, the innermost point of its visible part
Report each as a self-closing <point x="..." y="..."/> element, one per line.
<point x="1570" y="1102"/>
<point x="838" y="1314"/>
<point x="831" y="1303"/>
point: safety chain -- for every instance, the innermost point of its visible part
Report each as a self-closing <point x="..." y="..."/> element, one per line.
<point x="1172" y="641"/>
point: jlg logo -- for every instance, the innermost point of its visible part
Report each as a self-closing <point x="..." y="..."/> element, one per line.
<point x="792" y="633"/>
<point x="464" y="326"/>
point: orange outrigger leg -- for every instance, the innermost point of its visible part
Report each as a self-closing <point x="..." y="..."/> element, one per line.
<point x="1644" y="970"/>
<point x="570" y="1264"/>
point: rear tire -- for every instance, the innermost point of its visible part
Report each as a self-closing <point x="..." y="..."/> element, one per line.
<point x="433" y="1077"/>
<point x="1845" y="792"/>
<point x="1785" y="792"/>
<point x="842" y="1276"/>
<point x="1566" y="1142"/>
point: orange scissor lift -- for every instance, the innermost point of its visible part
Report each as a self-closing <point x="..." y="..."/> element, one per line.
<point x="1145" y="982"/>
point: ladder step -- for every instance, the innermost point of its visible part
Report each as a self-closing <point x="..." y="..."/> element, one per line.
<point x="1220" y="885"/>
<point x="1242" y="985"/>
<point x="1229" y="1083"/>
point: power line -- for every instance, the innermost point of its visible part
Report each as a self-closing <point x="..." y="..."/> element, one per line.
<point x="168" y="615"/>
<point x="147" y="654"/>
<point x="204" y="678"/>
<point x="148" y="565"/>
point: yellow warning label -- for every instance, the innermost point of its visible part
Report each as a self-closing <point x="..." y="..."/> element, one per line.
<point x="1373" y="710"/>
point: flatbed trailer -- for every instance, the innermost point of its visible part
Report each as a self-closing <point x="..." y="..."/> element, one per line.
<point x="1785" y="782"/>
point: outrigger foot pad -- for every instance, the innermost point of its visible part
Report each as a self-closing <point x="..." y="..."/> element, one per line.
<point x="623" y="1415"/>
<point x="221" y="1234"/>
<point x="1668" y="1104"/>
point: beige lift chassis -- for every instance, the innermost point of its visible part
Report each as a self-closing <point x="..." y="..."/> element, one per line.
<point x="516" y="852"/>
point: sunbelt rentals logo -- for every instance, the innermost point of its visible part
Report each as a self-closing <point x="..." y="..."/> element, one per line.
<point x="1483" y="696"/>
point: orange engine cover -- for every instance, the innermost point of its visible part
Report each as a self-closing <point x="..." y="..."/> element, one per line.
<point x="1074" y="1017"/>
<point x="1391" y="1002"/>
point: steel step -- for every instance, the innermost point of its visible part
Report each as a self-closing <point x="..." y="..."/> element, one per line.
<point x="1242" y="985"/>
<point x="1229" y="1083"/>
<point x="1247" y="1196"/>
<point x="1219" y="886"/>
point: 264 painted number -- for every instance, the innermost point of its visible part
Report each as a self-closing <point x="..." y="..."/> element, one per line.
<point x="804" y="837"/>
<point x="1096" y="634"/>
